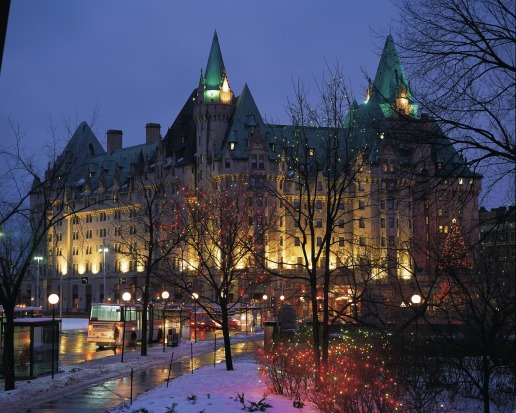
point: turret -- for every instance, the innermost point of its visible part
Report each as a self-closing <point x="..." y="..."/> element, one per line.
<point x="390" y="88"/>
<point x="213" y="110"/>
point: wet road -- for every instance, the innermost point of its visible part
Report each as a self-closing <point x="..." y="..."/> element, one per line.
<point x="74" y="347"/>
<point x="102" y="396"/>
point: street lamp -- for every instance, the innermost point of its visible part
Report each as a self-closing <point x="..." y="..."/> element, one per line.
<point x="416" y="300"/>
<point x="38" y="258"/>
<point x="263" y="311"/>
<point x="53" y="299"/>
<point x="165" y="296"/>
<point x="195" y="296"/>
<point x="126" y="297"/>
<point x="104" y="248"/>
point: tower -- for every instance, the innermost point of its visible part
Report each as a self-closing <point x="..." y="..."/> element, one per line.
<point x="213" y="110"/>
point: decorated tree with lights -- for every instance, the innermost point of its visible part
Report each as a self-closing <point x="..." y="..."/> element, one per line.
<point x="471" y="295"/>
<point x="323" y="160"/>
<point x="455" y="254"/>
<point x="357" y="379"/>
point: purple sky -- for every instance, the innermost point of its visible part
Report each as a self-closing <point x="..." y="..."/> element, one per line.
<point x="137" y="61"/>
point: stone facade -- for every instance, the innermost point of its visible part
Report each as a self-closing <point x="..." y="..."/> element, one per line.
<point x="403" y="185"/>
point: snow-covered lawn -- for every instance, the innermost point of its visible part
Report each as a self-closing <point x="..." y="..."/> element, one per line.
<point x="213" y="390"/>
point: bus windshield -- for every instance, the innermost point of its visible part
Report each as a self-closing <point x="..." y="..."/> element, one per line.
<point x="100" y="312"/>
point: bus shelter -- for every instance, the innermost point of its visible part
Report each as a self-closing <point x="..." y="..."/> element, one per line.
<point x="33" y="347"/>
<point x="177" y="324"/>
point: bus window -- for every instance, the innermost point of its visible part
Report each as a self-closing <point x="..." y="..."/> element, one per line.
<point x="105" y="313"/>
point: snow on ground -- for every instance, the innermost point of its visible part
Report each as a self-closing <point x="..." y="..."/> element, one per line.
<point x="221" y="386"/>
<point x="74" y="324"/>
<point x="212" y="390"/>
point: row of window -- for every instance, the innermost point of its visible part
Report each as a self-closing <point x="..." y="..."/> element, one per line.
<point x="88" y="267"/>
<point x="341" y="241"/>
<point x="88" y="233"/>
<point x="101" y="217"/>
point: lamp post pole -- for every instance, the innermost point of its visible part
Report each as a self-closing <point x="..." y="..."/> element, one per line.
<point x="263" y="311"/>
<point x="38" y="258"/>
<point x="53" y="299"/>
<point x="416" y="300"/>
<point x="104" y="248"/>
<point x="126" y="297"/>
<point x="165" y="296"/>
<point x="195" y="297"/>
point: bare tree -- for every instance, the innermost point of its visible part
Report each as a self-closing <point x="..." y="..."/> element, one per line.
<point x="30" y="207"/>
<point x="322" y="171"/>
<point x="146" y="229"/>
<point x="462" y="56"/>
<point x="224" y="230"/>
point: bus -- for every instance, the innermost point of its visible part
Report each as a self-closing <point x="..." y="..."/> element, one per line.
<point x="22" y="311"/>
<point x="106" y="324"/>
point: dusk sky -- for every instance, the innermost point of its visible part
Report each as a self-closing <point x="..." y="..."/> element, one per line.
<point x="136" y="62"/>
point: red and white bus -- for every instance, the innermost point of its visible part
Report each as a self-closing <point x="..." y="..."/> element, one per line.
<point x="106" y="324"/>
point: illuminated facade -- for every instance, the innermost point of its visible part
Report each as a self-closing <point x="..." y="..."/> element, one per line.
<point x="408" y="183"/>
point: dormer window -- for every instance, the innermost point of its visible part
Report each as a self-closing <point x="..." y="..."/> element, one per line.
<point x="311" y="151"/>
<point x="439" y="165"/>
<point x="232" y="146"/>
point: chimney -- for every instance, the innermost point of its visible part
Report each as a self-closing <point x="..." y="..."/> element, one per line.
<point x="114" y="140"/>
<point x="152" y="132"/>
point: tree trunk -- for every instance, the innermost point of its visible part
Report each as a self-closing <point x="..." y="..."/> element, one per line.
<point x="225" y="334"/>
<point x="8" y="351"/>
<point x="145" y="297"/>
<point x="316" y="336"/>
<point x="325" y="327"/>
<point x="485" y="382"/>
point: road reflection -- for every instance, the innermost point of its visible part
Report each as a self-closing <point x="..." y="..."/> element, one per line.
<point x="74" y="347"/>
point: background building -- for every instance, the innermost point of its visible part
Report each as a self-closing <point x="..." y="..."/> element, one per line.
<point x="404" y="183"/>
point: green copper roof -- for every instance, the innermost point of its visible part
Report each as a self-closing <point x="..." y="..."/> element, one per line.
<point x="80" y="149"/>
<point x="245" y="116"/>
<point x="215" y="66"/>
<point x="389" y="76"/>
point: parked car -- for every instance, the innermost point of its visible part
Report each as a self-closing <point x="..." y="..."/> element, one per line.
<point x="204" y="323"/>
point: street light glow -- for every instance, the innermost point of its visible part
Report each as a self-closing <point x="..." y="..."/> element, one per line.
<point x="53" y="299"/>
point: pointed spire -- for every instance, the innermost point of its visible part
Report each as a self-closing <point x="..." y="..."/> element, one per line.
<point x="390" y="80"/>
<point x="215" y="67"/>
